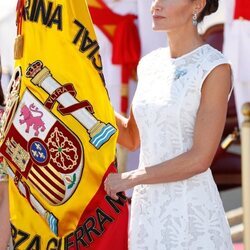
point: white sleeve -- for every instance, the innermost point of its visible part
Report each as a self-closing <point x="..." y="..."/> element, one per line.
<point x="212" y="61"/>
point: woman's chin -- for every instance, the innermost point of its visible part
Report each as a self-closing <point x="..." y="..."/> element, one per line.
<point x="157" y="28"/>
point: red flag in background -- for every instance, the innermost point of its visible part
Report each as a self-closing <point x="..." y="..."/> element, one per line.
<point x="242" y="9"/>
<point x="123" y="34"/>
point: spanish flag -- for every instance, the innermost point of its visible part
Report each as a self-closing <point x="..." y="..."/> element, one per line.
<point x="59" y="134"/>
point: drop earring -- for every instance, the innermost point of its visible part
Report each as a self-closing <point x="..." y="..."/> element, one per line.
<point x="195" y="22"/>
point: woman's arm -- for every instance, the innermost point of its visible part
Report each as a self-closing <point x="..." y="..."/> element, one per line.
<point x="4" y="216"/>
<point x="208" y="130"/>
<point x="128" y="132"/>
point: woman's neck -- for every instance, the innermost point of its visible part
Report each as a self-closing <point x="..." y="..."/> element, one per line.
<point x="181" y="43"/>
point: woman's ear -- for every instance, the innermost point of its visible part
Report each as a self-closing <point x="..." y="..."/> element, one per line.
<point x="199" y="5"/>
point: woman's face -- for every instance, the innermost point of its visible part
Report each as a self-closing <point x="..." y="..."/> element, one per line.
<point x="171" y="14"/>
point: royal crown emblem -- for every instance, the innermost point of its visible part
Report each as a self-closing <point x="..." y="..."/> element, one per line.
<point x="34" y="69"/>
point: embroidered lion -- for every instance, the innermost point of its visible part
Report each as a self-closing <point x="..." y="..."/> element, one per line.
<point x="30" y="120"/>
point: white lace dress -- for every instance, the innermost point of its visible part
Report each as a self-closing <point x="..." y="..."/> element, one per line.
<point x="183" y="215"/>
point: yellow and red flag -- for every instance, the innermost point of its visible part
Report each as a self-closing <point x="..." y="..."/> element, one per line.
<point x="59" y="134"/>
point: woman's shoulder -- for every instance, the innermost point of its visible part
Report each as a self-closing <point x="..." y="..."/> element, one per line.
<point x="212" y="60"/>
<point x="212" y="54"/>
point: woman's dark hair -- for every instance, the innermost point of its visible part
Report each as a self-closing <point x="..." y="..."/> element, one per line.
<point x="210" y="7"/>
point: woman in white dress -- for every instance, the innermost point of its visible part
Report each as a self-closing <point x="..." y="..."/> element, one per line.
<point x="177" y="118"/>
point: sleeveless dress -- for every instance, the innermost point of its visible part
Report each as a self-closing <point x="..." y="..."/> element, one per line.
<point x="182" y="215"/>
